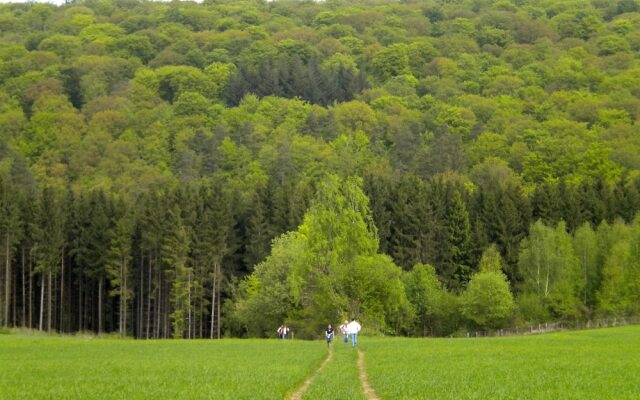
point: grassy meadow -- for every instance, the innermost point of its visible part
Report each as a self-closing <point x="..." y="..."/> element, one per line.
<point x="33" y="367"/>
<point x="339" y="379"/>
<point x="593" y="364"/>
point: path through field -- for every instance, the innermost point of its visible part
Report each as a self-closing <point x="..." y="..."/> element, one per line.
<point x="364" y="381"/>
<point x="297" y="395"/>
<point x="367" y="390"/>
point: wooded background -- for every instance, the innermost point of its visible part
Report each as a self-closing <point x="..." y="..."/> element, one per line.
<point x="150" y="153"/>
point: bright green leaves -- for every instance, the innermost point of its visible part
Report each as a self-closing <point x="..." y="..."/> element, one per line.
<point x="329" y="268"/>
<point x="487" y="301"/>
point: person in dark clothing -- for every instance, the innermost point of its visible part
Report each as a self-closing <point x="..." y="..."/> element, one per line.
<point x="329" y="334"/>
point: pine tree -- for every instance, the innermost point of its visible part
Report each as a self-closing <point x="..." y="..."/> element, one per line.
<point x="257" y="237"/>
<point x="119" y="266"/>
<point x="459" y="233"/>
<point x="49" y="241"/>
<point x="586" y="249"/>
<point x="175" y="250"/>
<point x="378" y="190"/>
<point x="410" y="231"/>
<point x="213" y="233"/>
<point x="10" y="235"/>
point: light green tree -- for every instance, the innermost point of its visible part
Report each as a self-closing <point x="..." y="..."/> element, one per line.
<point x="488" y="302"/>
<point x="329" y="267"/>
<point x="436" y="310"/>
<point x="551" y="278"/>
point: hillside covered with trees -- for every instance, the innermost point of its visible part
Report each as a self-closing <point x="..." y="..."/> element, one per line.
<point x="199" y="170"/>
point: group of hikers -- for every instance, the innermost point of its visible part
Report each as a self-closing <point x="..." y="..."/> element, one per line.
<point x="283" y="331"/>
<point x="348" y="329"/>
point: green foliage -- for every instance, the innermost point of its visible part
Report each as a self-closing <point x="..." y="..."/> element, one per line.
<point x="328" y="269"/>
<point x="618" y="294"/>
<point x="469" y="119"/>
<point x="435" y="309"/>
<point x="491" y="260"/>
<point x="550" y="270"/>
<point x="487" y="301"/>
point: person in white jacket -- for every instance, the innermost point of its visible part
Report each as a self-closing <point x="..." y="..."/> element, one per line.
<point x="352" y="329"/>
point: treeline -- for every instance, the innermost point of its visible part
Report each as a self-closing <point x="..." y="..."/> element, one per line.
<point x="331" y="267"/>
<point x="170" y="263"/>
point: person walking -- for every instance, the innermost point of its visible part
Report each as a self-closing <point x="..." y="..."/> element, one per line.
<point x="329" y="334"/>
<point x="344" y="331"/>
<point x="353" y="328"/>
<point x="281" y="332"/>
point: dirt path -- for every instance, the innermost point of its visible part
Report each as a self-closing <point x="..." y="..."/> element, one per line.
<point x="369" y="393"/>
<point x="297" y="395"/>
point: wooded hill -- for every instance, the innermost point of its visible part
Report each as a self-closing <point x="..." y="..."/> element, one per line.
<point x="150" y="153"/>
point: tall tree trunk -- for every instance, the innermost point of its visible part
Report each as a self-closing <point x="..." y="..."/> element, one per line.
<point x="125" y="297"/>
<point x="141" y="296"/>
<point x="213" y="300"/>
<point x="158" y="311"/>
<point x="24" y="290"/>
<point x="30" y="292"/>
<point x="586" y="279"/>
<point x="189" y="312"/>
<point x="49" y="305"/>
<point x="158" y="306"/>
<point x="149" y="301"/>
<point x="80" y="303"/>
<point x="69" y="316"/>
<point x="201" y="309"/>
<point x="7" y="281"/>
<point x="120" y="311"/>
<point x="100" y="284"/>
<point x="61" y="324"/>
<point x="14" y="301"/>
<point x="41" y="302"/>
<point x="218" y="301"/>
<point x="54" y="302"/>
<point x="166" y="309"/>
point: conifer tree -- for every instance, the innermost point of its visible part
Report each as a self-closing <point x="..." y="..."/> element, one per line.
<point x="586" y="249"/>
<point x="49" y="241"/>
<point x="175" y="250"/>
<point x="10" y="235"/>
<point x="257" y="236"/>
<point x="412" y="227"/>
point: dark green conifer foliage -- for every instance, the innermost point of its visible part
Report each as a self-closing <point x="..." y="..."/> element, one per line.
<point x="48" y="245"/>
<point x="258" y="232"/>
<point x="11" y="233"/>
<point x="411" y="215"/>
<point x="379" y="191"/>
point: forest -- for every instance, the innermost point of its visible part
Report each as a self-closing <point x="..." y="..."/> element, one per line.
<point x="205" y="170"/>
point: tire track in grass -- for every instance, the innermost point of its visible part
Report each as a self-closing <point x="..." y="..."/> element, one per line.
<point x="364" y="381"/>
<point x="297" y="395"/>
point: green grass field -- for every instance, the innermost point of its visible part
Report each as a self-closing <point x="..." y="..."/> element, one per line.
<point x="73" y="368"/>
<point x="596" y="364"/>
<point x="339" y="380"/>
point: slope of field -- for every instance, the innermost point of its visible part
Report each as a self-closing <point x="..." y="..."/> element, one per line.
<point x="595" y="364"/>
<point x="73" y="368"/>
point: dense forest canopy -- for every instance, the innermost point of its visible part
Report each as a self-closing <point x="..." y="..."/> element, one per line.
<point x="164" y="167"/>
